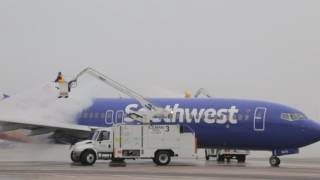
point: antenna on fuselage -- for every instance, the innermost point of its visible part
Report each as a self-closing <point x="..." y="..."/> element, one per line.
<point x="203" y="92"/>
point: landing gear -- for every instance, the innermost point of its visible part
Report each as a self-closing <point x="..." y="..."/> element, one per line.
<point x="220" y="158"/>
<point x="241" y="158"/>
<point x="206" y="155"/>
<point x="207" y="158"/>
<point x="274" y="161"/>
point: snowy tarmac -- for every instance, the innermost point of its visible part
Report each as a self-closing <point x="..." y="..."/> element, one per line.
<point x="182" y="169"/>
<point x="52" y="162"/>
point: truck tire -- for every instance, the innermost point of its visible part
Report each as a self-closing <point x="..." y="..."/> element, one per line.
<point x="73" y="157"/>
<point x="88" y="158"/>
<point x="241" y="158"/>
<point x="162" y="158"/>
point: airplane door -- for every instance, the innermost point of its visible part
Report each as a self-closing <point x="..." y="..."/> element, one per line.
<point x="120" y="116"/>
<point x="109" y="117"/>
<point x="259" y="118"/>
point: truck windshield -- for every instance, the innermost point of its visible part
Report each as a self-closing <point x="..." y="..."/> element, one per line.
<point x="95" y="136"/>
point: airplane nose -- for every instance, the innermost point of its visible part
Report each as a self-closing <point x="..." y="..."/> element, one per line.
<point x="315" y="130"/>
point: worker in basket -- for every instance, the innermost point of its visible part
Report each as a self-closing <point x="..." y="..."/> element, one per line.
<point x="63" y="87"/>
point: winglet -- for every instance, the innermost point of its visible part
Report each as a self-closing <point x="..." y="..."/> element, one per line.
<point x="3" y="96"/>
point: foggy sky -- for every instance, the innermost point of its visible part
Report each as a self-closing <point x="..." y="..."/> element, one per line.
<point x="266" y="50"/>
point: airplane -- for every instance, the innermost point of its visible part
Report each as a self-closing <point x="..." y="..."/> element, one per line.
<point x="3" y="96"/>
<point x="217" y="123"/>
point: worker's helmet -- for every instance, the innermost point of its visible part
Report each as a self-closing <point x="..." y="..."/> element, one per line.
<point x="187" y="94"/>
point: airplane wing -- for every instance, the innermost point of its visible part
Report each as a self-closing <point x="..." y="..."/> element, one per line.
<point x="37" y="112"/>
<point x="62" y="133"/>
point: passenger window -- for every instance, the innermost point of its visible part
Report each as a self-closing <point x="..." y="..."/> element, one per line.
<point x="85" y="115"/>
<point x="103" y="115"/>
<point x="91" y="115"/>
<point x="109" y="115"/>
<point x="96" y="115"/>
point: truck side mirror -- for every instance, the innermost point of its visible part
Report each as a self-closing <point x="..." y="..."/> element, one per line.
<point x="100" y="138"/>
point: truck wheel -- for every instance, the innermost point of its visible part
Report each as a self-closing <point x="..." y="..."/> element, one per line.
<point x="241" y="158"/>
<point x="88" y="158"/>
<point x="74" y="157"/>
<point x="162" y="158"/>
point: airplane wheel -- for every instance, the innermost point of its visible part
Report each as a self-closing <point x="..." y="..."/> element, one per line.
<point x="274" y="161"/>
<point x="207" y="158"/>
<point x="241" y="158"/>
<point x="220" y="158"/>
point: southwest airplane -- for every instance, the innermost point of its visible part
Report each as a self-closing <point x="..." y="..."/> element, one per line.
<point x="217" y="123"/>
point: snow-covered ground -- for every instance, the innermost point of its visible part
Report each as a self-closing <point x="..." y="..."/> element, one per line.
<point x="46" y="152"/>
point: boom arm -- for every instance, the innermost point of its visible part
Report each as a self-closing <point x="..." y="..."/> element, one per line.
<point x="156" y="111"/>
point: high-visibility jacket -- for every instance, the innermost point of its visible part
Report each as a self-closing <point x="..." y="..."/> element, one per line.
<point x="60" y="79"/>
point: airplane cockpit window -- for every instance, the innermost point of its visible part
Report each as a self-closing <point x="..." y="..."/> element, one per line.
<point x="285" y="116"/>
<point x="293" y="116"/>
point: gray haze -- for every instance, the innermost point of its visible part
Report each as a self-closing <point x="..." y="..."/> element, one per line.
<point x="250" y="49"/>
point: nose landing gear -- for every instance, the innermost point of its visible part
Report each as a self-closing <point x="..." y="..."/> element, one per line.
<point x="274" y="161"/>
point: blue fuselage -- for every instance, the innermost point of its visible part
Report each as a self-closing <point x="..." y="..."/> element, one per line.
<point x="223" y="123"/>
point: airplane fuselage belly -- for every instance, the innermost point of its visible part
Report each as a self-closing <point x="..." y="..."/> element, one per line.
<point x="221" y="123"/>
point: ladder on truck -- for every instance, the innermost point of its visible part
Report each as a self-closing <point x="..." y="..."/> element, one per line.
<point x="153" y="111"/>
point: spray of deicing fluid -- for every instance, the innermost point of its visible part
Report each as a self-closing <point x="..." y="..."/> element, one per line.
<point x="40" y="104"/>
